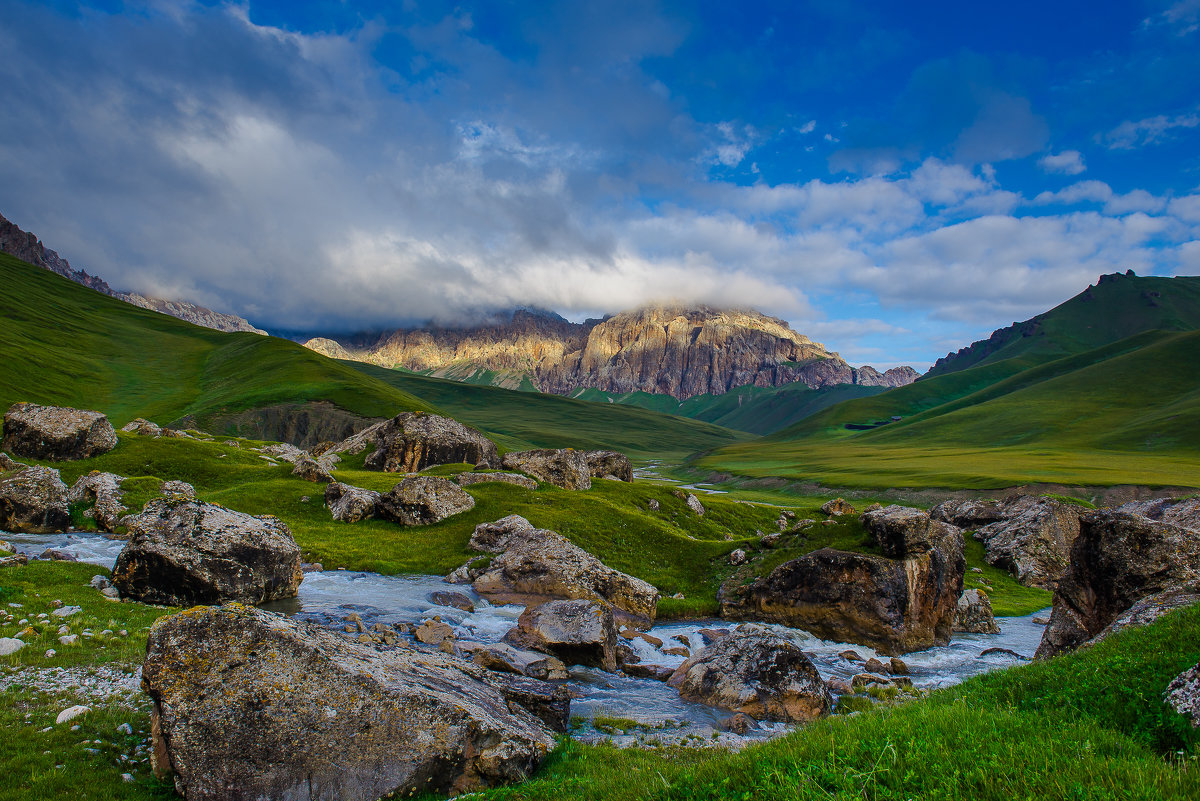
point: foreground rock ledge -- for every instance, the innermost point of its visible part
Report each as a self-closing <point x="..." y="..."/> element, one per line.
<point x="252" y="705"/>
<point x="56" y="433"/>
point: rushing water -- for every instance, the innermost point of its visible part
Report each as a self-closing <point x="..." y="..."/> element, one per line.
<point x="329" y="597"/>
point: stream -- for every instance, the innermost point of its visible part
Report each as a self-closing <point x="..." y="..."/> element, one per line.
<point x="328" y="597"/>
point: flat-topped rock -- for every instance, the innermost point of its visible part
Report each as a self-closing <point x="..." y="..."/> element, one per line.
<point x="412" y="441"/>
<point x="423" y="500"/>
<point x="577" y="632"/>
<point x="467" y="479"/>
<point x="33" y="500"/>
<point x="183" y="552"/>
<point x="563" y="467"/>
<point x="56" y="433"/>
<point x="902" y="531"/>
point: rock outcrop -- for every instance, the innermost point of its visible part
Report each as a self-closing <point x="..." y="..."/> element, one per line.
<point x="609" y="464"/>
<point x="184" y="552"/>
<point x="673" y="350"/>
<point x="1150" y="609"/>
<point x="412" y="441"/>
<point x="516" y="479"/>
<point x="314" y="715"/>
<point x="191" y="312"/>
<point x="535" y="565"/>
<point x="33" y="500"/>
<point x="563" y="467"/>
<point x="103" y="492"/>
<point x="894" y="605"/>
<point x="973" y="615"/>
<point x="56" y="433"/>
<point x="423" y="500"/>
<point x="758" y="673"/>
<point x="1117" y="559"/>
<point x="350" y="504"/>
<point x="577" y="632"/>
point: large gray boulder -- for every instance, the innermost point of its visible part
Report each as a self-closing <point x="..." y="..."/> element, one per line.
<point x="577" y="632"/>
<point x="1183" y="695"/>
<point x="756" y="672"/>
<point x="312" y="470"/>
<point x="893" y="605"/>
<point x="312" y="715"/>
<point x="33" y="500"/>
<point x="103" y="492"/>
<point x="56" y="433"/>
<point x="564" y="467"/>
<point x="973" y="614"/>
<point x="422" y="500"/>
<point x="902" y="531"/>
<point x="609" y="464"/>
<point x="412" y="441"/>
<point x="535" y="565"/>
<point x="350" y="504"/>
<point x="1118" y="559"/>
<point x="184" y="552"/>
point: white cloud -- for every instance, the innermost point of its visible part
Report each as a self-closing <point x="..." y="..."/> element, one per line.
<point x="1148" y="131"/>
<point x="1068" y="162"/>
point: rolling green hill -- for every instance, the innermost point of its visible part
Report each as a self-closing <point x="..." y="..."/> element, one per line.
<point x="65" y="344"/>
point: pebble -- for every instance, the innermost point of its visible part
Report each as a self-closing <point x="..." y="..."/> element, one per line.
<point x="67" y="611"/>
<point x="128" y="777"/>
<point x="125" y="728"/>
<point x="69" y="639"/>
<point x="50" y="653"/>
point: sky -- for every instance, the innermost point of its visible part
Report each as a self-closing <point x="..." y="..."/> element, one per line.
<point x="893" y="179"/>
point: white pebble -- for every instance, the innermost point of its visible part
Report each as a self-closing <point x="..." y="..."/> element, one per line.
<point x="71" y="713"/>
<point x="50" y="653"/>
<point x="125" y="728"/>
<point x="128" y="777"/>
<point x="67" y="611"/>
<point x="70" y="639"/>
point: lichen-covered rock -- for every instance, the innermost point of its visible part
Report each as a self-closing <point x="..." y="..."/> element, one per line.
<point x="56" y="433"/>
<point x="694" y="504"/>
<point x="1117" y="559"/>
<point x="837" y="507"/>
<point x="350" y="504"/>
<point x="412" y="441"/>
<point x="310" y="469"/>
<point x="312" y="715"/>
<point x="467" y="479"/>
<point x="1183" y="695"/>
<point x="609" y="464"/>
<point x="503" y="657"/>
<point x="33" y="500"/>
<point x="893" y="605"/>
<point x="564" y="467"/>
<point x="973" y="614"/>
<point x="1032" y="540"/>
<point x="536" y="565"/>
<point x="142" y="427"/>
<point x="577" y="632"/>
<point x="422" y="500"/>
<point x="103" y="491"/>
<point x="177" y="489"/>
<point x="183" y="552"/>
<point x="903" y="531"/>
<point x="756" y="672"/>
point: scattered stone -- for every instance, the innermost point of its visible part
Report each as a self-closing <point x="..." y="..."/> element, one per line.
<point x="103" y="491"/>
<point x="769" y="540"/>
<point x="56" y="555"/>
<point x="839" y="686"/>
<point x="535" y="565"/>
<point x="756" y="672"/>
<point x="412" y="441"/>
<point x="631" y="634"/>
<point x="310" y="469"/>
<point x="609" y="464"/>
<point x="10" y="645"/>
<point x="455" y="600"/>
<point x="142" y="427"/>
<point x="677" y="651"/>
<point x="502" y="656"/>
<point x="1183" y="695"/>
<point x="33" y="501"/>
<point x="653" y="505"/>
<point x="873" y="665"/>
<point x="467" y="479"/>
<point x="579" y="632"/>
<point x="550" y="703"/>
<point x="861" y="681"/>
<point x="56" y="433"/>
<point x="837" y="507"/>
<point x="694" y="504"/>
<point x="178" y="490"/>
<point x="738" y="557"/>
<point x="423" y="500"/>
<point x="565" y="467"/>
<point x="973" y="614"/>
<point x="708" y="636"/>
<point x="316" y="715"/>
<point x="738" y="723"/>
<point x="67" y="611"/>
<point x="873" y="507"/>
<point x="68" y="639"/>
<point x="898" y="666"/>
<point x="70" y="713"/>
<point x="1041" y="621"/>
<point x="433" y="632"/>
<point x="183" y="552"/>
<point x="350" y="504"/>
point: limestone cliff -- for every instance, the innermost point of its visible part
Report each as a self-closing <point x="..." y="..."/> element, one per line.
<point x="671" y="350"/>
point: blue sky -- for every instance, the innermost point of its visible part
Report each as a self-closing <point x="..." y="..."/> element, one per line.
<point x="894" y="179"/>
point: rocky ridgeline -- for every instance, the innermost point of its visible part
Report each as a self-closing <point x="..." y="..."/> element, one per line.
<point x="674" y="350"/>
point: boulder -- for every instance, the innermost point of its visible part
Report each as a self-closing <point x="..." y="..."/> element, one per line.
<point x="184" y="552"/>
<point x="609" y="464"/>
<point x="8" y="463"/>
<point x="1183" y="695"/>
<point x="973" y="615"/>
<point x="422" y="500"/>
<point x="56" y="433"/>
<point x="505" y="658"/>
<point x="33" y="501"/>
<point x="454" y="600"/>
<point x="433" y="632"/>
<point x="177" y="489"/>
<point x="564" y="467"/>
<point x="577" y="632"/>
<point x="902" y="531"/>
<point x="103" y="491"/>
<point x="1117" y="559"/>
<point x="1150" y="609"/>
<point x="467" y="479"/>
<point x="757" y="672"/>
<point x="837" y="507"/>
<point x="892" y="605"/>
<point x="694" y="504"/>
<point x="310" y="469"/>
<point x="142" y="427"/>
<point x="970" y="514"/>
<point x="738" y="557"/>
<point x="315" y="715"/>
<point x="412" y="441"/>
<point x="350" y="504"/>
<point x="534" y="565"/>
<point x="1033" y="539"/>
<point x="284" y="451"/>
